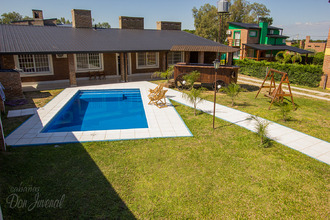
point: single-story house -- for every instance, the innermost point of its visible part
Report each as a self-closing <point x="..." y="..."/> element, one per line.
<point x="58" y="52"/>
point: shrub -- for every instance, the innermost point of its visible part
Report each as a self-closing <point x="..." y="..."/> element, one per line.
<point x="318" y="58"/>
<point x="308" y="75"/>
<point x="165" y="75"/>
<point x="191" y="78"/>
<point x="232" y="90"/>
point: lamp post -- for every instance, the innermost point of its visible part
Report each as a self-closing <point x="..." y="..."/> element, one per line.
<point x="216" y="67"/>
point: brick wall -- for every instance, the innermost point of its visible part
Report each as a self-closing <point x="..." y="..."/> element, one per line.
<point x="12" y="83"/>
<point x="318" y="47"/>
<point x="81" y="18"/>
<point x="131" y="22"/>
<point x="167" y="25"/>
<point x="326" y="63"/>
<point x="148" y="70"/>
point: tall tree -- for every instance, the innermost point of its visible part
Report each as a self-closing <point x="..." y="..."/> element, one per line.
<point x="206" y="21"/>
<point x="62" y="20"/>
<point x="7" y="18"/>
<point x="207" y="18"/>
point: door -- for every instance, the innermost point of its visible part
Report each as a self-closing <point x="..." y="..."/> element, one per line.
<point x="237" y="37"/>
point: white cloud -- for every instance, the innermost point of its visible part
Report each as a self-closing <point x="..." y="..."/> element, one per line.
<point x="317" y="30"/>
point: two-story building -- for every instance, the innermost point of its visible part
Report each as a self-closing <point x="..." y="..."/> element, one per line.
<point x="258" y="41"/>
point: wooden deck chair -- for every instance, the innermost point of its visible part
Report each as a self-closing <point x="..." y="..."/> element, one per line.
<point x="155" y="91"/>
<point x="159" y="100"/>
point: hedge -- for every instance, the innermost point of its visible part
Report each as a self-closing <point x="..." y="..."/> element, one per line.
<point x="307" y="75"/>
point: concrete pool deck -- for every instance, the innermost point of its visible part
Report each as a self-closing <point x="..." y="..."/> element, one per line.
<point x="165" y="122"/>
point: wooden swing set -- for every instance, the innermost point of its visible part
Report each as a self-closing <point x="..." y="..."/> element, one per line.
<point x="276" y="93"/>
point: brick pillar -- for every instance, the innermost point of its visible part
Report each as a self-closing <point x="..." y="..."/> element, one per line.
<point x="200" y="57"/>
<point x="122" y="66"/>
<point x="72" y="70"/>
<point x="187" y="57"/>
<point x="326" y="64"/>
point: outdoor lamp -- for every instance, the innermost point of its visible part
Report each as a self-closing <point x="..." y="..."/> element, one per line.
<point x="184" y="82"/>
<point x="216" y="64"/>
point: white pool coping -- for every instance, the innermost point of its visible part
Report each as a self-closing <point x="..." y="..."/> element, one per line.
<point x="162" y="123"/>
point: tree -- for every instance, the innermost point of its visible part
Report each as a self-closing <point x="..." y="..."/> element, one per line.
<point x="190" y="31"/>
<point x="193" y="96"/>
<point x="207" y="19"/>
<point x="103" y="25"/>
<point x="232" y="90"/>
<point x="7" y="18"/>
<point x="62" y="20"/>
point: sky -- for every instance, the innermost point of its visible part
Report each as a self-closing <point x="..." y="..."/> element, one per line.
<point x="298" y="18"/>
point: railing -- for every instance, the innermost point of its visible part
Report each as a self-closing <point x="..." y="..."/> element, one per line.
<point x="234" y="42"/>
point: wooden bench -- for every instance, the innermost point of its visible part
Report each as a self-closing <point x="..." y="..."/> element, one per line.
<point x="100" y="74"/>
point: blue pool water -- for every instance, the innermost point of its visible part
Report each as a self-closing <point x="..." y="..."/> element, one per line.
<point x="91" y="110"/>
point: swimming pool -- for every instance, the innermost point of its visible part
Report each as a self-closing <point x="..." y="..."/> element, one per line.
<point x="91" y="110"/>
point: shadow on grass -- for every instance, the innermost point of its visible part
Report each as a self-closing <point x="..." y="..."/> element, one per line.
<point x="250" y="88"/>
<point x="66" y="174"/>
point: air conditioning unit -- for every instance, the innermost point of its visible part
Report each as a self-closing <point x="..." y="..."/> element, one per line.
<point x="61" y="55"/>
<point x="228" y="32"/>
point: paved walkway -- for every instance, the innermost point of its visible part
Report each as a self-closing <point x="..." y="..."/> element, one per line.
<point x="310" y="93"/>
<point x="21" y="112"/>
<point x="296" y="140"/>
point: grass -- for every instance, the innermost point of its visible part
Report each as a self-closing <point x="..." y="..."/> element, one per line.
<point x="215" y="174"/>
<point x="34" y="99"/>
<point x="310" y="116"/>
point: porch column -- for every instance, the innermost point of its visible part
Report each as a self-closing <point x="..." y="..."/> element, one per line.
<point x="72" y="70"/>
<point x="230" y="59"/>
<point x="200" y="57"/>
<point x="164" y="63"/>
<point x="258" y="55"/>
<point x="187" y="57"/>
<point x="122" y="67"/>
<point x="126" y="66"/>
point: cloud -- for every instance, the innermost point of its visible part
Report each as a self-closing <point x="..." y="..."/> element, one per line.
<point x="317" y="30"/>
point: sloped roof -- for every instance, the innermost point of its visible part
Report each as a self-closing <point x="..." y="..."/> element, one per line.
<point x="277" y="47"/>
<point x="252" y="26"/>
<point x="15" y="39"/>
<point x="276" y="36"/>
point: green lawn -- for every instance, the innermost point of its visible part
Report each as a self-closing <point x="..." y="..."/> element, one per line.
<point x="213" y="175"/>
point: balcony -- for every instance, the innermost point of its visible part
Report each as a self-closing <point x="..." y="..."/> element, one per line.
<point x="234" y="42"/>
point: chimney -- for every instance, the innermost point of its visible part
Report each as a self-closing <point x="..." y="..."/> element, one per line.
<point x="308" y="38"/>
<point x="131" y="22"/>
<point x="37" y="14"/>
<point x="168" y="25"/>
<point x="81" y="18"/>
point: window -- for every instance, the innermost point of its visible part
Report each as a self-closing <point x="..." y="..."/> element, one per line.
<point x="147" y="60"/>
<point x="271" y="31"/>
<point x="174" y="57"/>
<point x="283" y="41"/>
<point x="30" y="63"/>
<point x="236" y="55"/>
<point x="253" y="33"/>
<point x="88" y="61"/>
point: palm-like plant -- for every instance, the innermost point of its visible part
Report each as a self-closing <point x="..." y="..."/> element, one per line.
<point x="284" y="109"/>
<point x="232" y="90"/>
<point x="191" y="78"/>
<point x="261" y="129"/>
<point x="296" y="57"/>
<point x="193" y="96"/>
<point x="283" y="56"/>
<point x="165" y="75"/>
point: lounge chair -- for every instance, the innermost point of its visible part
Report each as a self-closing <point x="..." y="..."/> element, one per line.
<point x="159" y="99"/>
<point x="155" y="91"/>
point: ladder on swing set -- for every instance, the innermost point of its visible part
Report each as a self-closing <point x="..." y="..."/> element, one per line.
<point x="276" y="93"/>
